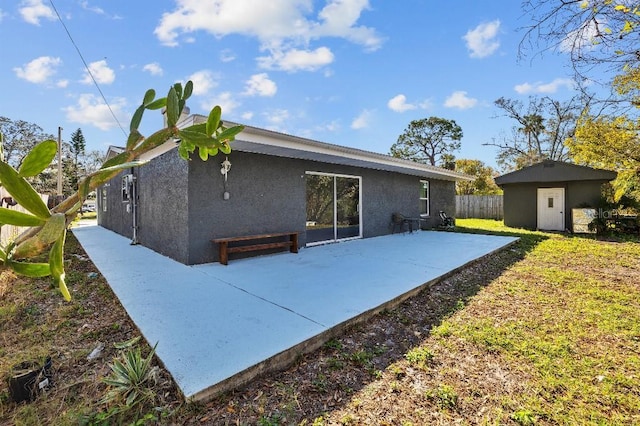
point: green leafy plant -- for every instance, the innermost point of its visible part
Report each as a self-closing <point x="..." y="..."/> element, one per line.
<point x="420" y="356"/>
<point x="47" y="229"/>
<point x="130" y="379"/>
<point x="524" y="417"/>
<point x="445" y="396"/>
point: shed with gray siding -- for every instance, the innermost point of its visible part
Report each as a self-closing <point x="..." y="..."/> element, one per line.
<point x="541" y="196"/>
<point x="276" y="183"/>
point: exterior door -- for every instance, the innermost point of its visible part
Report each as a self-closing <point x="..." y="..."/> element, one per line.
<point x="333" y="207"/>
<point x="551" y="209"/>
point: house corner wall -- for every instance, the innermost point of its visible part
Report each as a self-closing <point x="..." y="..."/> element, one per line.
<point x="163" y="205"/>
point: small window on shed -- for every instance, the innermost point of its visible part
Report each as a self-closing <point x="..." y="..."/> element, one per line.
<point x="550" y="202"/>
<point x="424" y="198"/>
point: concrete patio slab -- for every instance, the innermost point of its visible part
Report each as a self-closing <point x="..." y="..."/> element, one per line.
<point x="219" y="326"/>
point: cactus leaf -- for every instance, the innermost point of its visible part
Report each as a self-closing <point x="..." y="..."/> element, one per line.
<point x="183" y="151"/>
<point x="178" y="88"/>
<point x="172" y="108"/>
<point x="133" y="139"/>
<point x="50" y="232"/>
<point x="230" y="133"/>
<point x="225" y="148"/>
<point x="118" y="159"/>
<point x="156" y="139"/>
<point x="213" y="120"/>
<point x="136" y="119"/>
<point x="35" y="270"/>
<point x="204" y="153"/>
<point x="56" y="263"/>
<point x="196" y="138"/>
<point x="38" y="158"/>
<point x="157" y="104"/>
<point x="17" y="218"/>
<point x="22" y="192"/>
<point x="149" y="96"/>
<point x="188" y="90"/>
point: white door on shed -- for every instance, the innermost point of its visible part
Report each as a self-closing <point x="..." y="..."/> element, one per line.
<point x="551" y="209"/>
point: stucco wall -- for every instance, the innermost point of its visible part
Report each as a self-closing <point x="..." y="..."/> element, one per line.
<point x="181" y="206"/>
<point x="116" y="217"/>
<point x="441" y="197"/>
<point x="163" y="206"/>
<point x="268" y="194"/>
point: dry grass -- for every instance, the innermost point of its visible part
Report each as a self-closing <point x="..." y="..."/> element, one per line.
<point x="546" y="332"/>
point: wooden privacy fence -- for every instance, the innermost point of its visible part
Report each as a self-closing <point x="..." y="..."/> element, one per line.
<point x="479" y="206"/>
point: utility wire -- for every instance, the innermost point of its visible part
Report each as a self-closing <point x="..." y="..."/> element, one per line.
<point x="87" y="68"/>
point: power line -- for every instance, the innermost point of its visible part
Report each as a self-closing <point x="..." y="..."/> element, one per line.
<point x="87" y="68"/>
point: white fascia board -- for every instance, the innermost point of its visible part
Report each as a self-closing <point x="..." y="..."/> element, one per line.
<point x="269" y="138"/>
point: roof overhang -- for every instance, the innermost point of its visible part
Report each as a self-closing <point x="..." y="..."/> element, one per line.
<point x="267" y="142"/>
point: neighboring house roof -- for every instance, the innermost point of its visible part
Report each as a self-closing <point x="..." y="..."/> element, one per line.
<point x="262" y="141"/>
<point x="112" y="151"/>
<point x="555" y="171"/>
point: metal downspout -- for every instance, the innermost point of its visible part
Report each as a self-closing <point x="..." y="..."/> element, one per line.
<point x="134" y="207"/>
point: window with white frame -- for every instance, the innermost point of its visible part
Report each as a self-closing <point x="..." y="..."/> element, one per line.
<point x="424" y="198"/>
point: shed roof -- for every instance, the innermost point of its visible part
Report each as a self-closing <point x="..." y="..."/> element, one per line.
<point x="555" y="171"/>
<point x="262" y="141"/>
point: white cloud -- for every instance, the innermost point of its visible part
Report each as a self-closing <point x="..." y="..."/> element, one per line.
<point x="292" y="25"/>
<point x="399" y="104"/>
<point x="227" y="55"/>
<point x="295" y="60"/>
<point x="247" y="115"/>
<point x="339" y="19"/>
<point x="153" y="68"/>
<point x="62" y="83"/>
<point x="2" y="15"/>
<point x="34" y="10"/>
<point x="482" y="40"/>
<point x="203" y="82"/>
<point x="332" y="126"/>
<point x="39" y="70"/>
<point x="101" y="73"/>
<point x="260" y="85"/>
<point x="95" y="9"/>
<point x="551" y="87"/>
<point x="277" y="116"/>
<point x="91" y="110"/>
<point x="460" y="100"/>
<point x="225" y="100"/>
<point x="584" y="37"/>
<point x="362" y="120"/>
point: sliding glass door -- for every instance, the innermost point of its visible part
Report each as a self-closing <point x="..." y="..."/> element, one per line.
<point x="333" y="207"/>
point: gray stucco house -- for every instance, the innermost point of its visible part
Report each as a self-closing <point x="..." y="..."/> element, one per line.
<point x="542" y="196"/>
<point x="272" y="183"/>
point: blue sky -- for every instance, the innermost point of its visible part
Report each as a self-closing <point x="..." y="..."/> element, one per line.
<point x="348" y="72"/>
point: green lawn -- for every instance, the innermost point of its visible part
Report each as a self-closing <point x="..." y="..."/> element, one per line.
<point x="567" y="318"/>
<point x="554" y="338"/>
<point x="545" y="332"/>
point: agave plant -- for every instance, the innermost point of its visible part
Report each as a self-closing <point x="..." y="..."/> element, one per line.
<point x="129" y="379"/>
<point x="47" y="229"/>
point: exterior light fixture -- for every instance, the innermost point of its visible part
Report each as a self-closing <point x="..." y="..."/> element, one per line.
<point x="226" y="166"/>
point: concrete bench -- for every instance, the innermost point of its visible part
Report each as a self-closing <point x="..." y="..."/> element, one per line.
<point x="225" y="249"/>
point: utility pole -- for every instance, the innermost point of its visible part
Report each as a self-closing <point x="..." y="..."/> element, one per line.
<point x="59" y="161"/>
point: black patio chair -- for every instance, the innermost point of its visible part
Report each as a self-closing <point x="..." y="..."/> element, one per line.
<point x="400" y="220"/>
<point x="446" y="222"/>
